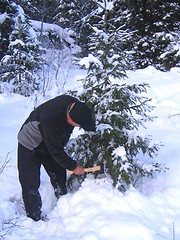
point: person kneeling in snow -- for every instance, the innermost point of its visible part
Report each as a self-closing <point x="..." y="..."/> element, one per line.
<point x="41" y="140"/>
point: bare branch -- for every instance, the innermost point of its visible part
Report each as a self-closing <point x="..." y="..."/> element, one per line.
<point x="174" y="115"/>
<point x="7" y="225"/>
<point x="6" y="161"/>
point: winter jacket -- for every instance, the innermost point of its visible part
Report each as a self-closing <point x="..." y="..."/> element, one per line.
<point x="46" y="130"/>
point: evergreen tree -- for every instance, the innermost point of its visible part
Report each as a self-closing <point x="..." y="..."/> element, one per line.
<point x="76" y="15"/>
<point x="20" y="61"/>
<point x="66" y="14"/>
<point x="119" y="109"/>
<point x="6" y="25"/>
<point x="44" y="10"/>
<point x="156" y="33"/>
<point x="155" y="25"/>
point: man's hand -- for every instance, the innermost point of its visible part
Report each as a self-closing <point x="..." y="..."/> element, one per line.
<point x="78" y="170"/>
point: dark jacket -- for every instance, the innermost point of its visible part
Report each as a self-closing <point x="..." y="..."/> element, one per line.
<point x="46" y="130"/>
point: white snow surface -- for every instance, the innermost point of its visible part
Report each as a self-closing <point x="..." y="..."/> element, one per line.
<point x="98" y="211"/>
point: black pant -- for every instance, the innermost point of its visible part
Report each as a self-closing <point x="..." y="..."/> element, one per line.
<point x="29" y="163"/>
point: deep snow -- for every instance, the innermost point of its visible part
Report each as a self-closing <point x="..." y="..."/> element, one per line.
<point x="97" y="211"/>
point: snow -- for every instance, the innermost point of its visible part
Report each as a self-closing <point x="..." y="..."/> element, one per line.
<point x="20" y="12"/>
<point x="3" y="17"/>
<point x="98" y="211"/>
<point x="86" y="61"/>
<point x="16" y="42"/>
<point x="48" y="27"/>
<point x="108" y="5"/>
<point x="120" y="151"/>
<point x="102" y="127"/>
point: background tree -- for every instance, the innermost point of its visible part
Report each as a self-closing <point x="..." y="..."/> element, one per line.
<point x="120" y="109"/>
<point x="75" y="15"/>
<point x="156" y="33"/>
<point x="22" y="58"/>
<point x="66" y="14"/>
<point x="44" y="10"/>
<point x="6" y="25"/>
<point x="155" y="26"/>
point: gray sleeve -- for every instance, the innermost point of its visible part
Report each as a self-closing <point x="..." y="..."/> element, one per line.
<point x="30" y="136"/>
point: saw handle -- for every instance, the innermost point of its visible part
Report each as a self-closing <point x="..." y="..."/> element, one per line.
<point x="91" y="169"/>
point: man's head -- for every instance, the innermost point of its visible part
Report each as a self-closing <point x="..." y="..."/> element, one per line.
<point x="81" y="115"/>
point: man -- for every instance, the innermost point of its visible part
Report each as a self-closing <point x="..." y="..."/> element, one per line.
<point x="41" y="140"/>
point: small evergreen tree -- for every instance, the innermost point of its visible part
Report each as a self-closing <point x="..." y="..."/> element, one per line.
<point x="120" y="109"/>
<point x="19" y="63"/>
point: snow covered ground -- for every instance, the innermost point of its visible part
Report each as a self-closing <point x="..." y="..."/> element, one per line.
<point x="97" y="211"/>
